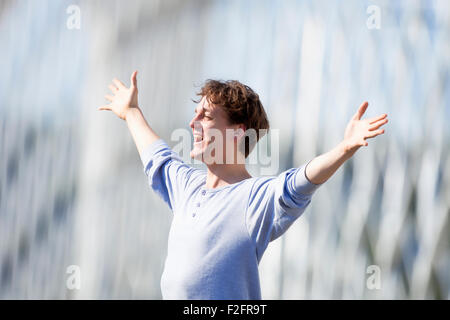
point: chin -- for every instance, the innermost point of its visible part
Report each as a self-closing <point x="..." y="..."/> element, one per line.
<point x="196" y="155"/>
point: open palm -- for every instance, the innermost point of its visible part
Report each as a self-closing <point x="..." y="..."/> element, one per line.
<point x="122" y="98"/>
<point x="357" y="130"/>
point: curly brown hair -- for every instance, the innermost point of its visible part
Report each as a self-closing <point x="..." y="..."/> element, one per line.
<point x="240" y="103"/>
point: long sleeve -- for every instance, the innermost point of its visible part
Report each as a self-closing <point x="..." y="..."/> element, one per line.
<point x="275" y="203"/>
<point x="167" y="174"/>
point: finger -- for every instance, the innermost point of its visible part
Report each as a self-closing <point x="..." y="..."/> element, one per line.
<point x="361" y="110"/>
<point x="113" y="88"/>
<point x="375" y="119"/>
<point x="378" y="124"/>
<point x="375" y="133"/>
<point x="105" y="107"/>
<point x="363" y="143"/>
<point x="108" y="97"/>
<point x="134" y="79"/>
<point x="119" y="83"/>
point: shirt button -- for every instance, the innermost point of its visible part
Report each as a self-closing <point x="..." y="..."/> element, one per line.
<point x="193" y="215"/>
<point x="203" y="192"/>
<point x="198" y="204"/>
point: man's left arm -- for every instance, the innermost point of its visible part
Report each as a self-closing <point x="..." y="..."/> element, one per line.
<point x="321" y="168"/>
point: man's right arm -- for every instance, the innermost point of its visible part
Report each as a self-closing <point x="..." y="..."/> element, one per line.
<point x="142" y="133"/>
<point x="124" y="103"/>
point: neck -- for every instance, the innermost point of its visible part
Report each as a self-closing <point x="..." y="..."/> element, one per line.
<point x="219" y="175"/>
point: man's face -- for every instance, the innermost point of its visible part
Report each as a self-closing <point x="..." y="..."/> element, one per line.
<point x="208" y="123"/>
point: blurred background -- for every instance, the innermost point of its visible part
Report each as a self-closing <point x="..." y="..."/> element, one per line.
<point x="73" y="190"/>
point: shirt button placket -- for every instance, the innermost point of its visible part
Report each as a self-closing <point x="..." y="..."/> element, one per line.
<point x="198" y="204"/>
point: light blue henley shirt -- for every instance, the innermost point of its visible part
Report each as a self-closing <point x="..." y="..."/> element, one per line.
<point x="218" y="236"/>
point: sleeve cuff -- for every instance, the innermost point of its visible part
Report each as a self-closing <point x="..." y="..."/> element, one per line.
<point x="303" y="184"/>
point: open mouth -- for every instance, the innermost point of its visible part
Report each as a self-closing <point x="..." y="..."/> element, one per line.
<point x="198" y="138"/>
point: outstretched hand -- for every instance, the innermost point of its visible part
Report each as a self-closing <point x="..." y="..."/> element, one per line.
<point x="357" y="130"/>
<point x="122" y="98"/>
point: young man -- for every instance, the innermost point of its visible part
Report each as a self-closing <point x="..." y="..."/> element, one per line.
<point x="223" y="218"/>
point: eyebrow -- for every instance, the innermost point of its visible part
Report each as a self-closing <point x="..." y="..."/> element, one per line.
<point x="204" y="109"/>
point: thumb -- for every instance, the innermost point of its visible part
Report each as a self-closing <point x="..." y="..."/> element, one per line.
<point x="361" y="110"/>
<point x="133" y="79"/>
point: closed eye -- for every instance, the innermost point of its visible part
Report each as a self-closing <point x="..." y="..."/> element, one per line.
<point x="204" y="116"/>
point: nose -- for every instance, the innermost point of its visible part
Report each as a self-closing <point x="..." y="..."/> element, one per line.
<point x="191" y="124"/>
<point x="195" y="124"/>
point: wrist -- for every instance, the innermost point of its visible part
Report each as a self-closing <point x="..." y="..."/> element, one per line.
<point x="347" y="149"/>
<point x="130" y="112"/>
